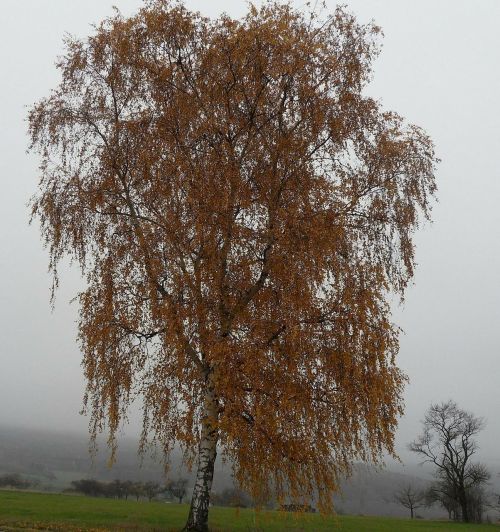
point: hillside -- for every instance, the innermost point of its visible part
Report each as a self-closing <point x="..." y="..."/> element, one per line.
<point x="57" y="458"/>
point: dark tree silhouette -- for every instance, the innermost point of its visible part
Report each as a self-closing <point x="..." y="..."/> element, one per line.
<point x="411" y="498"/>
<point x="151" y="490"/>
<point x="137" y="490"/>
<point x="15" y="481"/>
<point x="177" y="488"/>
<point x="448" y="441"/>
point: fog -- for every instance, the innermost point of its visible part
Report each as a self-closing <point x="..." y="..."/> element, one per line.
<point x="438" y="68"/>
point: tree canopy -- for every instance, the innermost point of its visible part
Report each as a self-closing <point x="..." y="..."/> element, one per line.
<point x="242" y="212"/>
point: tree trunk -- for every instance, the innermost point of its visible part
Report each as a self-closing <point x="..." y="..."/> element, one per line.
<point x="198" y="513"/>
<point x="411" y="512"/>
<point x="465" y="510"/>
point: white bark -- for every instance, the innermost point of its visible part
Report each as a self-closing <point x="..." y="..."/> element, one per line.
<point x="198" y="513"/>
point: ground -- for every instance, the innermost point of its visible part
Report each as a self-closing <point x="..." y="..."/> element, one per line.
<point x="72" y="513"/>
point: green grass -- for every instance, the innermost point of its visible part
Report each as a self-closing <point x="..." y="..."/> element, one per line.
<point x="71" y="513"/>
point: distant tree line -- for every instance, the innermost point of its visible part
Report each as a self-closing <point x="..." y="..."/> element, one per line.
<point x="297" y="508"/>
<point x="233" y="497"/>
<point x="173" y="489"/>
<point x="123" y="489"/>
<point x="15" y="481"/>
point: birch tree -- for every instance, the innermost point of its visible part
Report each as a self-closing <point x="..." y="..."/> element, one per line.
<point x="241" y="212"/>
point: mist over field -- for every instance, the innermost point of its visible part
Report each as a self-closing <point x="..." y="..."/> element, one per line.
<point x="56" y="458"/>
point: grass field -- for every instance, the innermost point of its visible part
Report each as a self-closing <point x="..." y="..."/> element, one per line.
<point x="71" y="513"/>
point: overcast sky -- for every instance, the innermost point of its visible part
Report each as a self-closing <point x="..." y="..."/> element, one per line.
<point x="439" y="67"/>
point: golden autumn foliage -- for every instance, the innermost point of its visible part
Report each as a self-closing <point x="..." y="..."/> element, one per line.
<point x="242" y="212"/>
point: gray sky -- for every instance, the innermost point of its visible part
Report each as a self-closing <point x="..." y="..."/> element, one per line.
<point x="439" y="68"/>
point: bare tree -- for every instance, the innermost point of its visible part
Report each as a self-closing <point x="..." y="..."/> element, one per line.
<point x="151" y="490"/>
<point x="410" y="497"/>
<point x="442" y="492"/>
<point x="479" y="500"/>
<point x="177" y="488"/>
<point x="448" y="442"/>
<point x="137" y="490"/>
